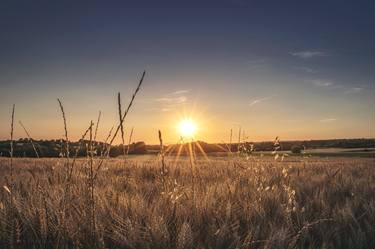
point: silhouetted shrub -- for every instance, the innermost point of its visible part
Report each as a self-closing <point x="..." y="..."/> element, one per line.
<point x="296" y="149"/>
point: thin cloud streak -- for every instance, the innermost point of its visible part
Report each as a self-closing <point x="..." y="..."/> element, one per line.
<point x="170" y="101"/>
<point x="178" y="92"/>
<point x="309" y="54"/>
<point x="322" y="83"/>
<point x="327" y="120"/>
<point x="260" y="100"/>
<point x="177" y="100"/>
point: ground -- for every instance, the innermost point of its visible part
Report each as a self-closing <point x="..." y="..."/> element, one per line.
<point x="214" y="202"/>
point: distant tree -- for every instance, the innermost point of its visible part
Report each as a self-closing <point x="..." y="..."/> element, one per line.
<point x="296" y="149"/>
<point x="138" y="148"/>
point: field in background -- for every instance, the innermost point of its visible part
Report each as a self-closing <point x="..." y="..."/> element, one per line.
<point x="219" y="202"/>
<point x="326" y="152"/>
<point x="331" y="152"/>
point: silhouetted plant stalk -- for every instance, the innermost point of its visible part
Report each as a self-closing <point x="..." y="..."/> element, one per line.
<point x="92" y="183"/>
<point x="162" y="154"/>
<point x="96" y="144"/>
<point x="104" y="150"/>
<point x="30" y="139"/>
<point x="239" y="135"/>
<point x="13" y="224"/>
<point x="121" y="126"/>
<point x="80" y="145"/>
<point x="130" y="140"/>
<point x="128" y="108"/>
<point x="163" y="167"/>
<point x="66" y="137"/>
<point x="66" y="198"/>
<point x="11" y="148"/>
<point x="100" y="164"/>
<point x="230" y="141"/>
<point x="192" y="170"/>
<point x="11" y="184"/>
<point x="97" y="125"/>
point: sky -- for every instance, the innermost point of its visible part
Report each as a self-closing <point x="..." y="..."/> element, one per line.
<point x="293" y="69"/>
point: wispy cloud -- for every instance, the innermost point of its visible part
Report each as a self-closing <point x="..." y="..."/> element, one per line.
<point x="322" y="83"/>
<point x="172" y="100"/>
<point x="309" y="54"/>
<point x="178" y="92"/>
<point x="354" y="90"/>
<point x="175" y="100"/>
<point x="328" y="120"/>
<point x="329" y="84"/>
<point x="260" y="100"/>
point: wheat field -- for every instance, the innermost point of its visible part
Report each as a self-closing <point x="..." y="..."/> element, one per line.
<point x="186" y="200"/>
<point x="215" y="202"/>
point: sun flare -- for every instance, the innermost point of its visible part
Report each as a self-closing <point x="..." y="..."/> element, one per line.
<point x="187" y="128"/>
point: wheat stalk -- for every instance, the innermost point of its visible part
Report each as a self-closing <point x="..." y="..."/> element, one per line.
<point x="162" y="154"/>
<point x="11" y="145"/>
<point x="130" y="139"/>
<point x="30" y="139"/>
<point x="128" y="108"/>
<point x="97" y="125"/>
<point x="121" y="122"/>
<point x="77" y="150"/>
<point x="230" y="141"/>
<point x="65" y="134"/>
<point x="92" y="181"/>
<point x="106" y="141"/>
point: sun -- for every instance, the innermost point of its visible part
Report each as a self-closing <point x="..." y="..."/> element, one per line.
<point x="187" y="128"/>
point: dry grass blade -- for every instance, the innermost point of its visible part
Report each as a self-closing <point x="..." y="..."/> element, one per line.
<point x="30" y="139"/>
<point x="162" y="154"/>
<point x="7" y="189"/>
<point x="11" y="143"/>
<point x="121" y="124"/>
<point x="128" y="108"/>
<point x="121" y="121"/>
<point x="305" y="228"/>
<point x="77" y="150"/>
<point x="130" y="140"/>
<point x="230" y="140"/>
<point x="106" y="141"/>
<point x="92" y="182"/>
<point x="239" y="135"/>
<point x="97" y="125"/>
<point x="65" y="131"/>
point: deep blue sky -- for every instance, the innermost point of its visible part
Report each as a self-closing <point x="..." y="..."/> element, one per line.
<point x="299" y="69"/>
